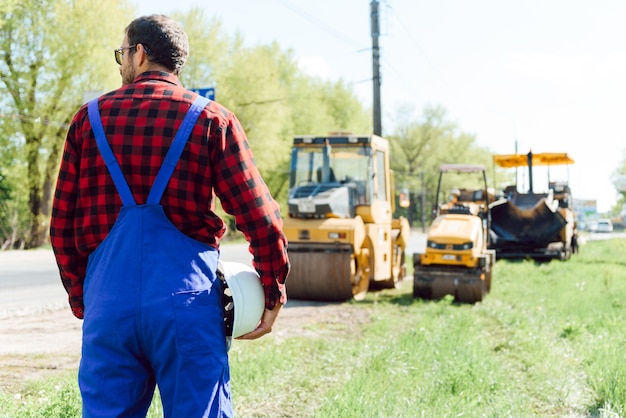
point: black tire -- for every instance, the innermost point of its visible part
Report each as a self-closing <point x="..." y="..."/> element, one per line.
<point x="480" y="291"/>
<point x="471" y="291"/>
<point x="422" y="290"/>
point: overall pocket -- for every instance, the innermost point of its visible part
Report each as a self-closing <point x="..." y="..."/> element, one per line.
<point x="199" y="322"/>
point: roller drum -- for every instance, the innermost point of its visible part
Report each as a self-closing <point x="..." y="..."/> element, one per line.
<point x="321" y="272"/>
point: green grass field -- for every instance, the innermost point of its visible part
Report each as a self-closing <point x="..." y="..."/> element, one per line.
<point x="548" y="341"/>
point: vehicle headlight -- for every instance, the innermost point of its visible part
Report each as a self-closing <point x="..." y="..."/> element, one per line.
<point x="463" y="247"/>
<point x="435" y="245"/>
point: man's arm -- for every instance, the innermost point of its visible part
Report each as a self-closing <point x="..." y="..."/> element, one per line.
<point x="62" y="229"/>
<point x="244" y="194"/>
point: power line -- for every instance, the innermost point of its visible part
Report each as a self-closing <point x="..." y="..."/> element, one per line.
<point x="436" y="70"/>
<point x="318" y="22"/>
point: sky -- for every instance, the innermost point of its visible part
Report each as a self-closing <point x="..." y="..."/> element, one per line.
<point x="532" y="75"/>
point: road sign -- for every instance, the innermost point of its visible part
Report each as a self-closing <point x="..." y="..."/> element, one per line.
<point x="208" y="92"/>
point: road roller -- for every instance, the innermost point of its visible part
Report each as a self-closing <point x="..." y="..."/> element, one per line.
<point x="457" y="260"/>
<point x="343" y="238"/>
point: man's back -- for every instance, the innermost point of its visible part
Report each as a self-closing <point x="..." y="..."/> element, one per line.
<point x="140" y="121"/>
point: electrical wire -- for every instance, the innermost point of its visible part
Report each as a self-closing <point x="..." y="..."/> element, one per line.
<point x="436" y="70"/>
<point x="318" y="22"/>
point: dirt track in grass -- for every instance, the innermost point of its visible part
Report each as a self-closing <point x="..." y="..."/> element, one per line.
<point x="42" y="344"/>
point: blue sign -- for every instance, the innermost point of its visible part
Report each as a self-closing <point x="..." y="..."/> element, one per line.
<point x="208" y="92"/>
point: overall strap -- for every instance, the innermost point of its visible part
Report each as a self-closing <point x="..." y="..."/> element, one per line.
<point x="109" y="158"/>
<point x="176" y="149"/>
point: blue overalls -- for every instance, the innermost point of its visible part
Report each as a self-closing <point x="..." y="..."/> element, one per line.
<point x="153" y="311"/>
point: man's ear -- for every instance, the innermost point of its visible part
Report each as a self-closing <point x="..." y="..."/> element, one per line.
<point x="143" y="55"/>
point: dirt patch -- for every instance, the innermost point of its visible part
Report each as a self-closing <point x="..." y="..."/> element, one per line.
<point x="38" y="345"/>
<point x="42" y="344"/>
<point x="319" y="319"/>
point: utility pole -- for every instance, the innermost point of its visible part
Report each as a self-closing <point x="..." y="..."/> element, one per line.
<point x="378" y="129"/>
<point x="423" y="202"/>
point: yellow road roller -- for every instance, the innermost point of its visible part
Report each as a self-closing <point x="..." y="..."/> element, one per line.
<point x="457" y="260"/>
<point x="340" y="226"/>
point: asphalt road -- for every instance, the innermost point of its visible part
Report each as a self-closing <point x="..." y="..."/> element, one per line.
<point x="29" y="280"/>
<point x="30" y="283"/>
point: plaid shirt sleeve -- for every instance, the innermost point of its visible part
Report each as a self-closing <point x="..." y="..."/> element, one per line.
<point x="72" y="265"/>
<point x="245" y="195"/>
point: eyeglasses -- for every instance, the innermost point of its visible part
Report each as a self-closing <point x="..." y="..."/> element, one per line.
<point x="119" y="53"/>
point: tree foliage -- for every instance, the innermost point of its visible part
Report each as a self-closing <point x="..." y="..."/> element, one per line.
<point x="618" y="175"/>
<point x="418" y="148"/>
<point x="45" y="73"/>
<point x="268" y="92"/>
<point x="51" y="52"/>
<point x="271" y="96"/>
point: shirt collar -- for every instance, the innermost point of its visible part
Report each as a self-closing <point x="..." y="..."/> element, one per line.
<point x="158" y="76"/>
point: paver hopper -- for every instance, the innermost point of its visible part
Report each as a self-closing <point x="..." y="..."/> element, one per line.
<point x="533" y="225"/>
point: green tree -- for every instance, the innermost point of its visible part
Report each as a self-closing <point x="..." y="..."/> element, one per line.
<point x="617" y="178"/>
<point x="13" y="207"/>
<point x="420" y="146"/>
<point x="44" y="73"/>
<point x="273" y="99"/>
<point x="51" y="52"/>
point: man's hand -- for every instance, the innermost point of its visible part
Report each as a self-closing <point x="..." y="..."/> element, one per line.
<point x="266" y="324"/>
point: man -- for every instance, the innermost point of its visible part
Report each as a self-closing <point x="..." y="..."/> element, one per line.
<point x="147" y="288"/>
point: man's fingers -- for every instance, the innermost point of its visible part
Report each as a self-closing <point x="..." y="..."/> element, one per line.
<point x="266" y="324"/>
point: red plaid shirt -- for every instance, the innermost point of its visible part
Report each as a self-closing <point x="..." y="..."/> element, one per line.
<point x="140" y="121"/>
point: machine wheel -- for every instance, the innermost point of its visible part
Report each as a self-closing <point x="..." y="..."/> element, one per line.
<point x="326" y="274"/>
<point x="359" y="279"/>
<point x="422" y="290"/>
<point x="489" y="273"/>
<point x="471" y="291"/>
<point x="398" y="271"/>
<point x="567" y="252"/>
<point x="480" y="290"/>
<point x="465" y="292"/>
<point x="574" y="244"/>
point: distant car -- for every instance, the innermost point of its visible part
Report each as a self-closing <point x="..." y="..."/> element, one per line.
<point x="604" y="225"/>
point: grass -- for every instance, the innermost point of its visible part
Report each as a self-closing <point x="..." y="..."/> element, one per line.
<point x="55" y="397"/>
<point x="548" y="341"/>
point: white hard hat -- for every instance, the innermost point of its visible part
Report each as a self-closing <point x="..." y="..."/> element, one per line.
<point x="247" y="295"/>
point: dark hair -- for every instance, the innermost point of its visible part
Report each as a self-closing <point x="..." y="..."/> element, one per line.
<point x="163" y="38"/>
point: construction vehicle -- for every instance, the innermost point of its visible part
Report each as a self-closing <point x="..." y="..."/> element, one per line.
<point x="457" y="260"/>
<point x="341" y="232"/>
<point x="539" y="226"/>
